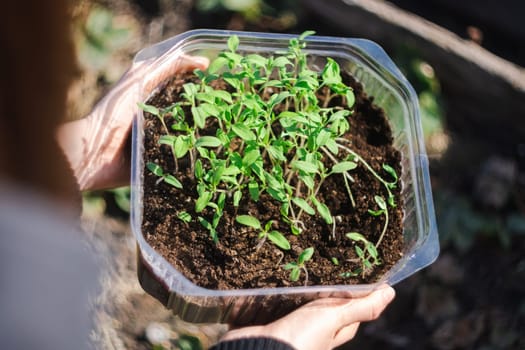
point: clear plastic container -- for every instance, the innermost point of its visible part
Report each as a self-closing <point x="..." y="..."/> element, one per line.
<point x="369" y="64"/>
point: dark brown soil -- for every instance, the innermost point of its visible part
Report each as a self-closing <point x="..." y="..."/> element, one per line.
<point x="234" y="262"/>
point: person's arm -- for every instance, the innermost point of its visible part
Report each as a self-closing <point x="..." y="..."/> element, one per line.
<point x="252" y="343"/>
<point x="96" y="146"/>
<point x="318" y="325"/>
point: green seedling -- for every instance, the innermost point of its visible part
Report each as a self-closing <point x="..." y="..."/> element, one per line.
<point x="367" y="254"/>
<point x="184" y="216"/>
<point x="266" y="134"/>
<point x="167" y="178"/>
<point x="383" y="210"/>
<point x="274" y="236"/>
<point x="296" y="267"/>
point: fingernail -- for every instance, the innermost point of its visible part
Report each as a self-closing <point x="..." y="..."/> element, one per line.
<point x="388" y="294"/>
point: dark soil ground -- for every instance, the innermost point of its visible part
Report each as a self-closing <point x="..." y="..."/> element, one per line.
<point x="472" y="297"/>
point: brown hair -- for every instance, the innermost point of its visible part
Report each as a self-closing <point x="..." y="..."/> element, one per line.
<point x="37" y="64"/>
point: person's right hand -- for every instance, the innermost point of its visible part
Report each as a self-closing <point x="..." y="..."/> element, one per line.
<point x="321" y="324"/>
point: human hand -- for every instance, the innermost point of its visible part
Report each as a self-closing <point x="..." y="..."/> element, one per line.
<point x="96" y="146"/>
<point x="321" y="324"/>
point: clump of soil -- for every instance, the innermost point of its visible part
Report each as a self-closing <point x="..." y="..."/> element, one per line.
<point x="235" y="262"/>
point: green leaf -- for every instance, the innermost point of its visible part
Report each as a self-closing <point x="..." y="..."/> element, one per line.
<point x="294" y="273"/>
<point x="171" y="180"/>
<point x="184" y="216"/>
<point x="167" y="140"/>
<point x="253" y="188"/>
<point x="199" y="116"/>
<point x="249" y="220"/>
<point x="205" y="223"/>
<point x="291" y="266"/>
<point x="323" y="210"/>
<point x="273" y="83"/>
<point x="149" y="109"/>
<point x="355" y="236"/>
<point x="275" y="99"/>
<point x="306" y="34"/>
<point x="272" y="181"/>
<point x="301" y="203"/>
<point x="208" y="141"/>
<point x="391" y="201"/>
<point x="155" y="169"/>
<point x="199" y="171"/>
<point x="205" y="97"/>
<point x="331" y="73"/>
<point x="295" y="230"/>
<point x="237" y="196"/>
<point x="307" y="167"/>
<point x="339" y="115"/>
<point x="380" y="202"/>
<point x="202" y="201"/>
<point x="308" y="181"/>
<point x="217" y="64"/>
<point x="335" y="261"/>
<point x="250" y="157"/>
<point x="233" y="43"/>
<point x="375" y="212"/>
<point x="390" y="171"/>
<point x="281" y="61"/>
<point x="210" y="109"/>
<point x="359" y="252"/>
<point x="332" y="146"/>
<point x="372" y="251"/>
<point x="350" y="98"/>
<point x="232" y="79"/>
<point x="279" y="240"/>
<point x="277" y="194"/>
<point x="243" y="132"/>
<point x="218" y="171"/>
<point x="181" y="146"/>
<point x="256" y="60"/>
<point x="323" y="137"/>
<point x="305" y="255"/>
<point x="190" y="90"/>
<point x="223" y="95"/>
<point x="276" y="153"/>
<point x="221" y="201"/>
<point x="343" y="167"/>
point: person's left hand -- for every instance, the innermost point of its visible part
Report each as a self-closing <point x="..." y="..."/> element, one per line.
<point x="96" y="146"/>
<point x="321" y="324"/>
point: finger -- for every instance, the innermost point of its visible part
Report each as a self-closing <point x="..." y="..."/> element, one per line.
<point x="367" y="308"/>
<point x="166" y="67"/>
<point x="345" y="334"/>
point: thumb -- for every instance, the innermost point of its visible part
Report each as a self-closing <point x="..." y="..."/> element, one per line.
<point x="367" y="308"/>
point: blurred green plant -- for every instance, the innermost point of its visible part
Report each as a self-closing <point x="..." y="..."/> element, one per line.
<point x="282" y="14"/>
<point x="422" y="77"/>
<point x="114" y="202"/>
<point x="188" y="342"/>
<point x="184" y="342"/>
<point x="461" y="224"/>
<point x="100" y="37"/>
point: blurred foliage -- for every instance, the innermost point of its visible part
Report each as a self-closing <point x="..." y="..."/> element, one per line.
<point x="122" y="197"/>
<point x="184" y="342"/>
<point x="276" y="15"/>
<point x="422" y="77"/>
<point x="100" y="37"/>
<point x="460" y="224"/>
<point x="114" y="202"/>
<point x="188" y="342"/>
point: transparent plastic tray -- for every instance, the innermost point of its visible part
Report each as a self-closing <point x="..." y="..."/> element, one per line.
<point x="370" y="65"/>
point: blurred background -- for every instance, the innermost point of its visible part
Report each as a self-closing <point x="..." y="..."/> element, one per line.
<point x="465" y="61"/>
